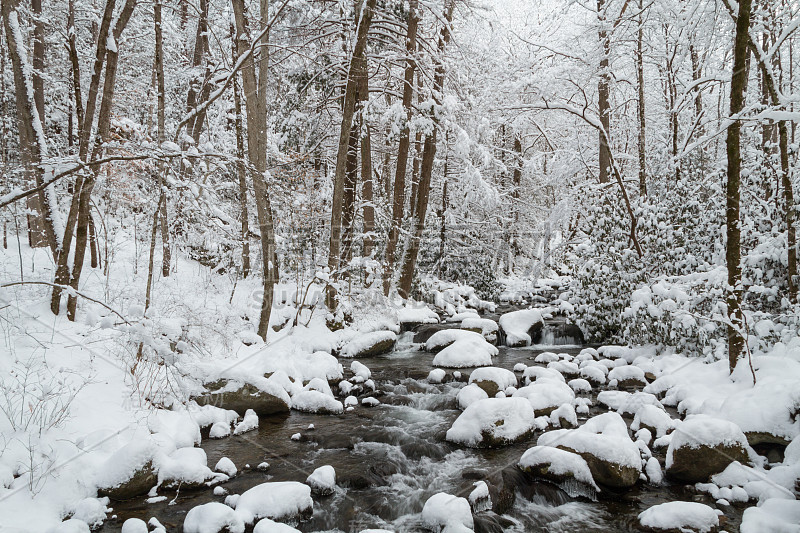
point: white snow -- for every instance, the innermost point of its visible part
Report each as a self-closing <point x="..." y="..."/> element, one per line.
<point x="559" y="462"/>
<point x="365" y="341"/>
<point x="417" y="315"/>
<point x="312" y="401"/>
<point x="544" y="395"/>
<point x="135" y="525"/>
<point x="265" y="525"/>
<point x="653" y="470"/>
<point x="226" y="466"/>
<point x="500" y="376"/>
<point x="605" y="436"/>
<point x="436" y="375"/>
<point x="538" y="373"/>
<point x="445" y="337"/>
<point x="360" y="369"/>
<point x="469" y="395"/>
<point x="703" y="430"/>
<point x="776" y="515"/>
<point x="502" y="418"/>
<point x="465" y="353"/>
<point x="517" y="323"/>
<point x="442" y="510"/>
<point x="276" y="500"/>
<point x="212" y="518"/>
<point x="248" y="423"/>
<point x="680" y="516"/>
<point x="322" y="480"/>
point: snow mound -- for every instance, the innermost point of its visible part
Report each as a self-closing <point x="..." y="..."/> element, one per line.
<point x="500" y="377"/>
<point x="517" y="324"/>
<point x="442" y="510"/>
<point x="322" y="480"/>
<point x="265" y="525"/>
<point x="312" y="401"/>
<point x="546" y="396"/>
<point x="682" y="516"/>
<point x="465" y="353"/>
<point x="703" y="430"/>
<point x="469" y="395"/>
<point x="776" y="515"/>
<point x="654" y="418"/>
<point x="248" y="423"/>
<point x="360" y="370"/>
<point x="538" y="373"/>
<point x="372" y="343"/>
<point x="446" y="337"/>
<point x="275" y="500"/>
<point x="186" y="466"/>
<point x="492" y="422"/>
<point x="556" y="462"/>
<point x="212" y="518"/>
<point x="226" y="466"/>
<point x="417" y="315"/>
<point x="92" y="511"/>
<point x="436" y="375"/>
<point x="73" y="525"/>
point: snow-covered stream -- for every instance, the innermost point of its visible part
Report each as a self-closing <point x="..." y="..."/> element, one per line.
<point x="391" y="458"/>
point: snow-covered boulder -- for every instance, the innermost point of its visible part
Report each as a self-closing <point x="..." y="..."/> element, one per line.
<point x="444" y="338"/>
<point x="92" y="511"/>
<point x="603" y="441"/>
<point x="684" y="517"/>
<point x="212" y="517"/>
<point x="226" y="466"/>
<point x="442" y="510"/>
<point x="368" y="344"/>
<point x="594" y="374"/>
<point x="778" y="515"/>
<point x="322" y="480"/>
<point x="265" y="525"/>
<point x="479" y="498"/>
<point x="493" y="422"/>
<point x="546" y="396"/>
<point x="563" y="467"/>
<point x="265" y="397"/>
<point x="187" y="468"/>
<point x="436" y="375"/>
<point x="469" y="395"/>
<point x="519" y="326"/>
<point x="627" y="376"/>
<point x="538" y="373"/>
<point x="249" y="422"/>
<point x="485" y="326"/>
<point x="314" y="401"/>
<point x="466" y="353"/>
<point x="131" y="525"/>
<point x="411" y="317"/>
<point x="654" y="419"/>
<point x="129" y="472"/>
<point x="276" y="500"/>
<point x="493" y="379"/>
<point x="702" y="446"/>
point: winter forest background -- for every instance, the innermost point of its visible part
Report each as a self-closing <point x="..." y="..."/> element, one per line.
<point x="205" y="195"/>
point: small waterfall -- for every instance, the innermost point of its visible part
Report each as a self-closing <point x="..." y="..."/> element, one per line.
<point x="559" y="334"/>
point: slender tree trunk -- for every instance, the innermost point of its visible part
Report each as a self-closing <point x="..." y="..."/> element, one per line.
<point x="428" y="157"/>
<point x="348" y="110"/>
<point x="399" y="195"/>
<point x="162" y="195"/>
<point x="240" y="170"/>
<point x="697" y="73"/>
<point x="603" y="103"/>
<point x="198" y="86"/>
<point x="256" y="106"/>
<point x="103" y="129"/>
<point x="37" y="233"/>
<point x="367" y="187"/>
<point x="642" y="148"/>
<point x="33" y="145"/>
<point x="733" y="252"/>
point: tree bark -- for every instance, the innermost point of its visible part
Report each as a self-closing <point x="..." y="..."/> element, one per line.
<point x="733" y="251"/>
<point x="162" y="193"/>
<point x="37" y="232"/>
<point x="399" y="194"/>
<point x="640" y="107"/>
<point x="240" y="170"/>
<point x="33" y="146"/>
<point x="256" y="107"/>
<point x="603" y="104"/>
<point x="348" y="110"/>
<point x="428" y="158"/>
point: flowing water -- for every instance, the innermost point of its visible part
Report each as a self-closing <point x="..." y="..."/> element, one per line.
<point x="389" y="459"/>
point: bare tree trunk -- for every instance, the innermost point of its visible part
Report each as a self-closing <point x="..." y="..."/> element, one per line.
<point x="240" y="170"/>
<point x="733" y="251"/>
<point x="640" y="107"/>
<point x="37" y="233"/>
<point x="603" y="104"/>
<point x="367" y="188"/>
<point x="33" y="146"/>
<point x="697" y="73"/>
<point x="256" y="106"/>
<point x="428" y="157"/>
<point x="349" y="198"/>
<point x="399" y="195"/>
<point x="198" y="86"/>
<point x="162" y="194"/>
<point x="63" y="274"/>
<point x="348" y="110"/>
<point x="516" y="184"/>
<point x="103" y="129"/>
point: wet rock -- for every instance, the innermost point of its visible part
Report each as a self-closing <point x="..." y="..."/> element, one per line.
<point x="489" y="522"/>
<point x="754" y="438"/>
<point x="426" y="331"/>
<point x="702" y="446"/>
<point x="240" y="397"/>
<point x="142" y="480"/>
<point x="369" y="344"/>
